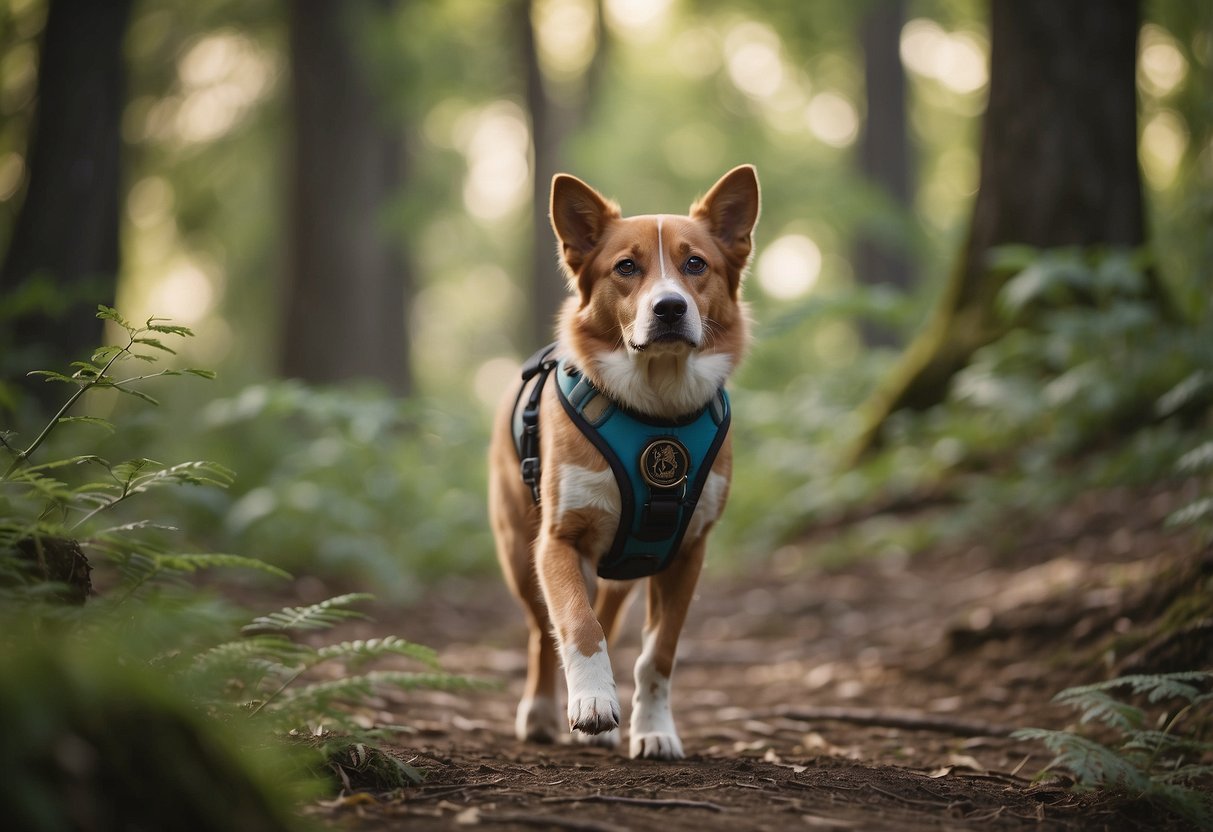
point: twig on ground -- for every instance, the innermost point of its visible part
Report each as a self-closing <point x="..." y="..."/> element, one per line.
<point x="550" y="822"/>
<point x="655" y="803"/>
<point x="896" y="719"/>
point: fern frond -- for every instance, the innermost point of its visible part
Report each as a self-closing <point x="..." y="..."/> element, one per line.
<point x="1193" y="512"/>
<point x="316" y="698"/>
<point x="319" y="616"/>
<point x="1091" y="763"/>
<point x="1159" y="686"/>
<point x="1197" y="460"/>
<point x="234" y="654"/>
<point x="192" y="563"/>
<point x="1096" y="705"/>
<point x="1162" y="742"/>
<point x="390" y="645"/>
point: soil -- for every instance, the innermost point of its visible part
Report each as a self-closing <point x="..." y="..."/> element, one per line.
<point x="877" y="696"/>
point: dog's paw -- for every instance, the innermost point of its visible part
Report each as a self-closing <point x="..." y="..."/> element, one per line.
<point x="656" y="746"/>
<point x="536" y="720"/>
<point x="607" y="739"/>
<point x="593" y="714"/>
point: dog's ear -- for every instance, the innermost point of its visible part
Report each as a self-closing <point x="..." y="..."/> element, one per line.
<point x="579" y="215"/>
<point x="730" y="210"/>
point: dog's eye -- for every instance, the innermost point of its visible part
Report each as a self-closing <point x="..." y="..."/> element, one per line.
<point x="695" y="265"/>
<point x="625" y="267"/>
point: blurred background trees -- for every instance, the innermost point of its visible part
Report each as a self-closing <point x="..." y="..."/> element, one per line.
<point x="356" y="193"/>
<point x="62" y="246"/>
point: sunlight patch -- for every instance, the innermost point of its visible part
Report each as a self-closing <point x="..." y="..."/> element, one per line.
<point x="789" y="267"/>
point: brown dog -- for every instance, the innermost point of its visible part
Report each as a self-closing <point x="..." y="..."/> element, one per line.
<point x="654" y="328"/>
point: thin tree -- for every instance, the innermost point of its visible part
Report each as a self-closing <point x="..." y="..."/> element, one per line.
<point x="884" y="153"/>
<point x="346" y="280"/>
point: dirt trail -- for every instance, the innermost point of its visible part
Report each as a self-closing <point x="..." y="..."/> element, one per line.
<point x="876" y="697"/>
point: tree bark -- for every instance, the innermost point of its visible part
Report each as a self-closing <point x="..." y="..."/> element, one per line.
<point x="553" y="118"/>
<point x="1058" y="168"/>
<point x="347" y="281"/>
<point x="548" y="287"/>
<point x="67" y="228"/>
<point x="884" y="150"/>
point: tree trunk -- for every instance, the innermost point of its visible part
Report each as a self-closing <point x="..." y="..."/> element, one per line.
<point x="1058" y="168"/>
<point x="346" y="282"/>
<point x="553" y="118"/>
<point x="884" y="150"/>
<point x="548" y="287"/>
<point x="67" y="229"/>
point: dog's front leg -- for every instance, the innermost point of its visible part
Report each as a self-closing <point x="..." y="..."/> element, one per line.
<point x="653" y="734"/>
<point x="593" y="702"/>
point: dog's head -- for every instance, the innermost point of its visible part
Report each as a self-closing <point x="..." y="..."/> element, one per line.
<point x="662" y="288"/>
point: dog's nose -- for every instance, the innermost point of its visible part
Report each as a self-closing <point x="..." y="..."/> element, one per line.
<point x="669" y="309"/>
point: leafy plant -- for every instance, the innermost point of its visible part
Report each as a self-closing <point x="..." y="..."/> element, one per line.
<point x="1158" y="754"/>
<point x="264" y="683"/>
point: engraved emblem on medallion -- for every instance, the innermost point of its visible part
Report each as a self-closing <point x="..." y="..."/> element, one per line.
<point x="664" y="463"/>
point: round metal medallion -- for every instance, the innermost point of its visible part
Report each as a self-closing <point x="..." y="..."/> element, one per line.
<point x="664" y="463"/>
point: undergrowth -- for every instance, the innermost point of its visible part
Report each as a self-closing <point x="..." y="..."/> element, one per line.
<point x="1153" y="741"/>
<point x="267" y="683"/>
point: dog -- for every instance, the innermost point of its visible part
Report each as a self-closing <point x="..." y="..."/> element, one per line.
<point x="654" y="327"/>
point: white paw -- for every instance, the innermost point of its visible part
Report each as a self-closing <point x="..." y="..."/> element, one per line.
<point x="536" y="720"/>
<point x="593" y="714"/>
<point x="656" y="747"/>
<point x="607" y="739"/>
<point x="593" y="704"/>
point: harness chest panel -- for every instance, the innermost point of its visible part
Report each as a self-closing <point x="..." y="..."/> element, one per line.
<point x="659" y="466"/>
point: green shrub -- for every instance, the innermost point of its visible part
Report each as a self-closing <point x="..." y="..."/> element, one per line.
<point x="153" y="660"/>
<point x="1155" y="752"/>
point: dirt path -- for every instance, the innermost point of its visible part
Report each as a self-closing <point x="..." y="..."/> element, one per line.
<point x="877" y="697"/>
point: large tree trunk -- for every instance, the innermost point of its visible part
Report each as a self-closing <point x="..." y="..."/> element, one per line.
<point x="67" y="229"/>
<point x="883" y="149"/>
<point x="346" y="282"/>
<point x="1058" y="168"/>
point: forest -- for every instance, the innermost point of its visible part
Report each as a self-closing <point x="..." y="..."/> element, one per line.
<point x="267" y="269"/>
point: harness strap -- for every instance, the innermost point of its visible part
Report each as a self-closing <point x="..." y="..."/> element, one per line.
<point x="540" y="364"/>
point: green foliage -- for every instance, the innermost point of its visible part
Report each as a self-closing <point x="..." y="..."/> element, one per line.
<point x="350" y="484"/>
<point x="1159" y="754"/>
<point x="209" y="674"/>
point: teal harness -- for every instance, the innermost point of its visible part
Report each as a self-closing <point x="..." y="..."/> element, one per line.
<point x="660" y="466"/>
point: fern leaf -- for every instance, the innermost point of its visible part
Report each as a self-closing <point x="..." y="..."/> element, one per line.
<point x="192" y="563"/>
<point x="247" y="651"/>
<point x="1187" y="391"/>
<point x="390" y="645"/>
<point x="168" y="329"/>
<point x="82" y="459"/>
<point x="319" y="616"/>
<point x="50" y="375"/>
<point x="138" y="394"/>
<point x="95" y="421"/>
<point x="1091" y="764"/>
<point x="1197" y="460"/>
<point x="316" y="697"/>
<point x="156" y="344"/>
<point x="1159" y="686"/>
<point x="1096" y="705"/>
<point x="108" y="313"/>
<point x="1193" y="512"/>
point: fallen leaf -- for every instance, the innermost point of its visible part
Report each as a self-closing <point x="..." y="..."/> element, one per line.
<point x="468" y="817"/>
